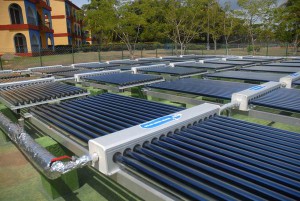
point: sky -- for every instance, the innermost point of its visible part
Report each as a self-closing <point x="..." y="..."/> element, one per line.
<point x="79" y="3"/>
<point x="234" y="5"/>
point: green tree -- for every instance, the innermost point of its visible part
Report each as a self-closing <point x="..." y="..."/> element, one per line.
<point x="288" y="23"/>
<point x="108" y="18"/>
<point x="99" y="18"/>
<point x="216" y="15"/>
<point x="253" y="13"/>
<point x="230" y="23"/>
<point x="183" y="21"/>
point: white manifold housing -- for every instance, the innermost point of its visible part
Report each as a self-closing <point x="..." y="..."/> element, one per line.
<point x="287" y="81"/>
<point x="243" y="97"/>
<point x="106" y="147"/>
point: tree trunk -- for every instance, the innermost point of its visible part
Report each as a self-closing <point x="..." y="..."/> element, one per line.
<point x="226" y="44"/>
<point x="207" y="45"/>
<point x="215" y="45"/>
<point x="253" y="47"/>
<point x="296" y="44"/>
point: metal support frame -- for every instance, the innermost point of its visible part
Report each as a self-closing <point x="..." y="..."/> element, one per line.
<point x="144" y="187"/>
<point x="183" y="62"/>
<point x="274" y="117"/>
<point x="175" y="98"/>
<point x="13" y="107"/>
<point x="117" y="88"/>
<point x="6" y="71"/>
<point x="44" y="67"/>
<point x="63" y="139"/>
<point x="80" y="77"/>
<point x="27" y="82"/>
<point x="137" y="69"/>
<point x="193" y="74"/>
<point x="76" y="64"/>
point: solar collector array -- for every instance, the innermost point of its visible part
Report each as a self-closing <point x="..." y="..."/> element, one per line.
<point x="292" y="61"/>
<point x="173" y="70"/>
<point x="129" y="62"/>
<point x="274" y="69"/>
<point x="123" y="79"/>
<point x="235" y="63"/>
<point x="16" y="79"/>
<point x="265" y="58"/>
<point x="223" y="159"/>
<point x="205" y="65"/>
<point x="211" y="88"/>
<point x="256" y="60"/>
<point x="39" y="92"/>
<point x="95" y="65"/>
<point x="10" y="75"/>
<point x="284" y="64"/>
<point x="283" y="99"/>
<point x="244" y="75"/>
<point x="72" y="73"/>
<point x="100" y="115"/>
<point x="54" y="70"/>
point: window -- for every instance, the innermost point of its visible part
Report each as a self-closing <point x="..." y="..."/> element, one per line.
<point x="35" y="45"/>
<point x="20" y="43"/>
<point x="31" y="19"/>
<point x="15" y="13"/>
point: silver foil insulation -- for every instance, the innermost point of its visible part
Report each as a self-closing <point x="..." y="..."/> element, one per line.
<point x="37" y="154"/>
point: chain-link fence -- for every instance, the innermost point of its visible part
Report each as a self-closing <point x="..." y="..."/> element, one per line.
<point x="66" y="55"/>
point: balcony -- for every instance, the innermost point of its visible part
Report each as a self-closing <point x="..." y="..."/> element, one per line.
<point x="45" y="26"/>
<point x="43" y="4"/>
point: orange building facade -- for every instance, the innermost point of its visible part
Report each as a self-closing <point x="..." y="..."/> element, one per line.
<point x="67" y="26"/>
<point x="25" y="26"/>
<point x="28" y="26"/>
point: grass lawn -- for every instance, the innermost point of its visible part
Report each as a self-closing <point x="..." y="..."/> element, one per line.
<point x="16" y="62"/>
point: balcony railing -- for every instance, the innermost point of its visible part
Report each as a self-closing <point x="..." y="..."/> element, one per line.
<point x="45" y="26"/>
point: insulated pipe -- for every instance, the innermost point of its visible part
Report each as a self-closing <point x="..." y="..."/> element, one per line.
<point x="228" y="106"/>
<point x="48" y="164"/>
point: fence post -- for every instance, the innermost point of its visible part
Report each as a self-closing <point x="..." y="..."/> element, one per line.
<point x="99" y="56"/>
<point x="40" y="54"/>
<point x="267" y="53"/>
<point x="122" y="53"/>
<point x="156" y="52"/>
<point x="1" y="62"/>
<point x="286" y="49"/>
<point x="73" y="59"/>
<point x="141" y="51"/>
<point x="172" y="49"/>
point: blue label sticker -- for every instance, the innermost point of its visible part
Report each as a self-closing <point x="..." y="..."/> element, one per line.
<point x="294" y="74"/>
<point x="160" y="121"/>
<point x="256" y="88"/>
